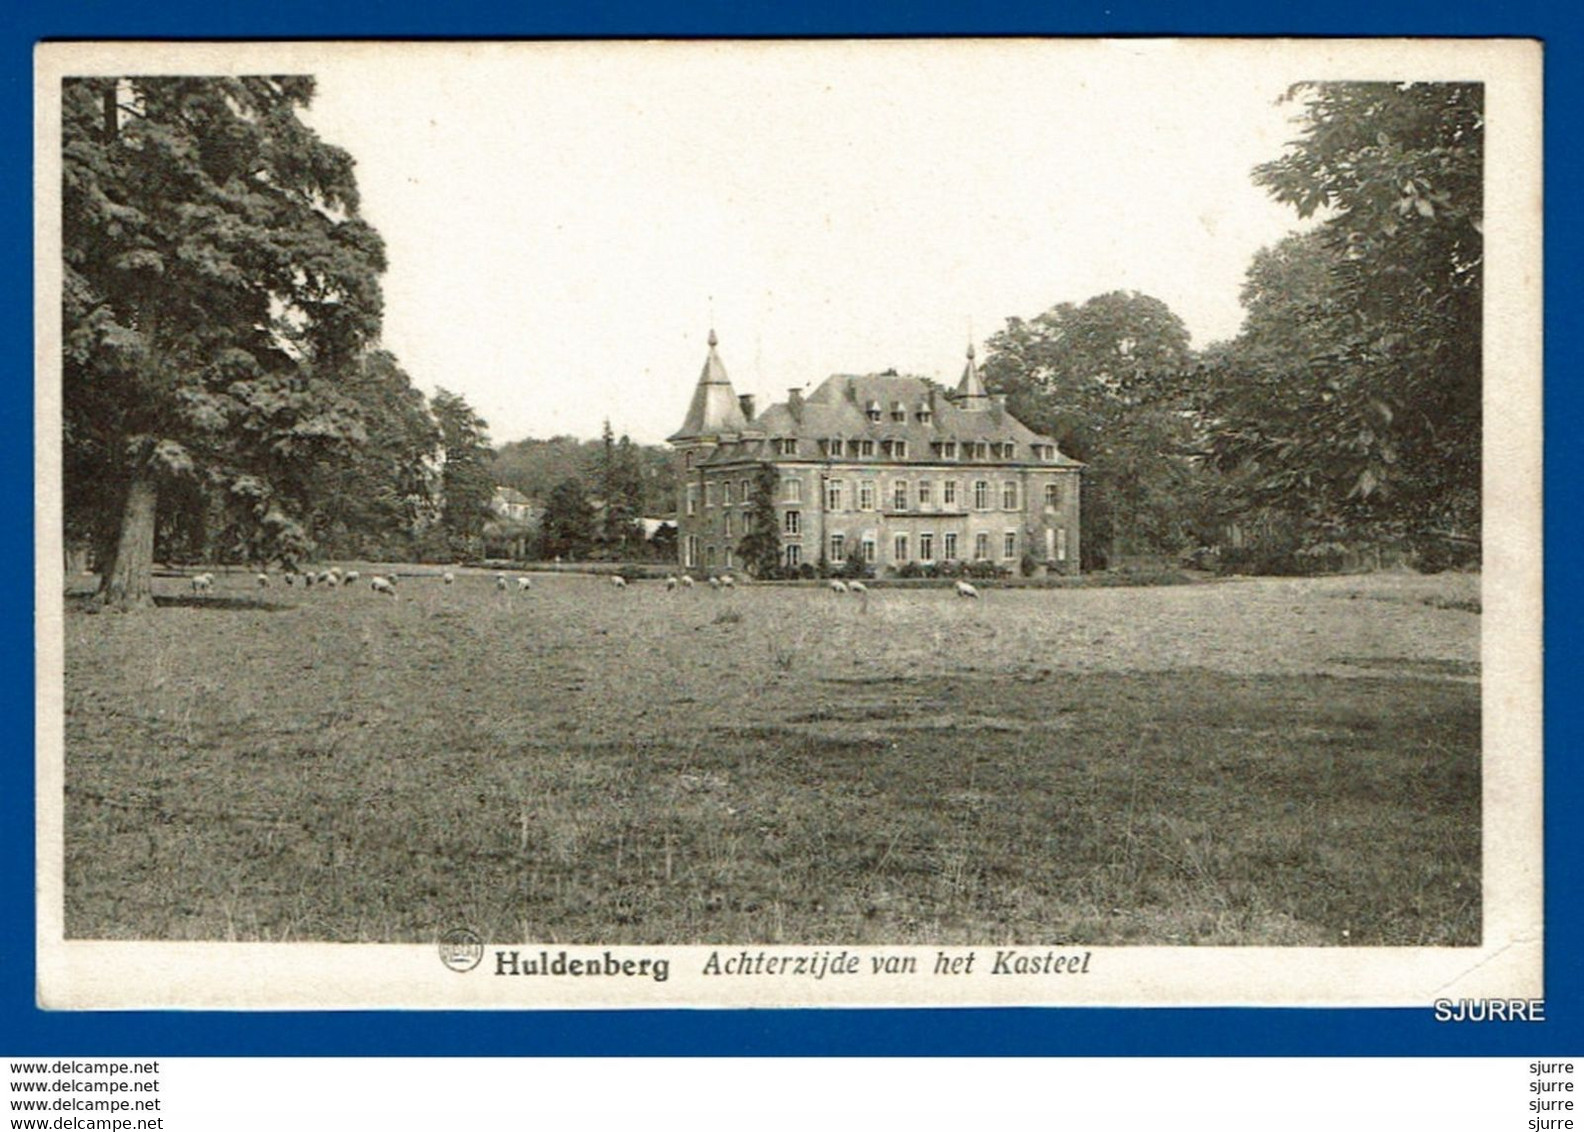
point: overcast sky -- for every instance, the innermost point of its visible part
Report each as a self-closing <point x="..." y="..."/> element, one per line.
<point x="565" y="222"/>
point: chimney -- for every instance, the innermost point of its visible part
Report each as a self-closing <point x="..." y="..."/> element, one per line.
<point x="795" y="404"/>
<point x="745" y="402"/>
<point x="999" y="400"/>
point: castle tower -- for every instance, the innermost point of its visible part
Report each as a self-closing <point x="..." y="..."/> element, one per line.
<point x="714" y="414"/>
<point x="971" y="394"/>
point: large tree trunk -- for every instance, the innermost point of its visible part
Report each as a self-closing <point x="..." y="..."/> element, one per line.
<point x="127" y="582"/>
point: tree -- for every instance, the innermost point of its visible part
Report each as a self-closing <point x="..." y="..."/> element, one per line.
<point x="376" y="498"/>
<point x="217" y="284"/>
<point x="621" y="486"/>
<point x="467" y="483"/>
<point x="1379" y="429"/>
<point x="567" y="529"/>
<point x="1105" y="379"/>
<point x="760" y="545"/>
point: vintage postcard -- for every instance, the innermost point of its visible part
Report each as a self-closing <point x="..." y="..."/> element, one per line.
<point x="728" y="523"/>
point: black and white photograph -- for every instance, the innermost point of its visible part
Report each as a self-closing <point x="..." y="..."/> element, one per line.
<point x="788" y="523"/>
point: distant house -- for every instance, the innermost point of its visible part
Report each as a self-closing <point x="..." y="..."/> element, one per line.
<point x="512" y="505"/>
<point x="898" y="468"/>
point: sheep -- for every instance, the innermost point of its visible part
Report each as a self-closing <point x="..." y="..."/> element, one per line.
<point x="965" y="589"/>
<point x="290" y="579"/>
<point x="382" y="585"/>
<point x="687" y="581"/>
<point x="524" y="584"/>
<point x="858" y="587"/>
<point x="202" y="583"/>
<point x="448" y="577"/>
<point x="328" y="578"/>
<point x="500" y="582"/>
<point x="837" y="586"/>
<point x="671" y="582"/>
<point x="714" y="582"/>
<point x="351" y="576"/>
<point x="728" y="582"/>
<point x="263" y="581"/>
<point x="308" y="580"/>
<point x="618" y="581"/>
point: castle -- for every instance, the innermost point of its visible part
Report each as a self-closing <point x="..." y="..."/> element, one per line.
<point x="895" y="467"/>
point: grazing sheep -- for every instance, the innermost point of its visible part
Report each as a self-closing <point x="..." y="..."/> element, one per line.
<point x="500" y="582"/>
<point x="618" y="581"/>
<point x="263" y="581"/>
<point x="965" y="589"/>
<point x="671" y="582"/>
<point x="448" y="577"/>
<point x="290" y="579"/>
<point x="308" y="581"/>
<point x="202" y="583"/>
<point x="858" y="587"/>
<point x="382" y="585"/>
<point x="687" y="581"/>
<point x="328" y="578"/>
<point x="837" y="586"/>
<point x="728" y="582"/>
<point x="714" y="582"/>
<point x="351" y="576"/>
<point x="524" y="584"/>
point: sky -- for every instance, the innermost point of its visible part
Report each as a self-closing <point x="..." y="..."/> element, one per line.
<point x="566" y="222"/>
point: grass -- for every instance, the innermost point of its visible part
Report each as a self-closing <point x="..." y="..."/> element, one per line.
<point x="1260" y="762"/>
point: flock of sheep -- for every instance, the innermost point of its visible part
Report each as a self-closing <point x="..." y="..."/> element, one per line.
<point x="386" y="583"/>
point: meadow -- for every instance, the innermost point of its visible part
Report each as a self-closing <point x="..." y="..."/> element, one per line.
<point x="1247" y="761"/>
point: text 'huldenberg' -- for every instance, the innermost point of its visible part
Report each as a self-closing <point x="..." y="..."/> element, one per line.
<point x="513" y="962"/>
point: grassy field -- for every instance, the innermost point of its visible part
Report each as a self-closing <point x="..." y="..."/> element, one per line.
<point x="1243" y="762"/>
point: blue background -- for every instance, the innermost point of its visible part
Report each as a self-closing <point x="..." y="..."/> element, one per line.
<point x="27" y="1031"/>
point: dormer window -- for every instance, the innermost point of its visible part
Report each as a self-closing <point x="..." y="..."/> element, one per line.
<point x="866" y="448"/>
<point x="923" y="414"/>
<point x="899" y="450"/>
<point x="949" y="450"/>
<point x="785" y="446"/>
<point x="874" y="410"/>
<point x="898" y="411"/>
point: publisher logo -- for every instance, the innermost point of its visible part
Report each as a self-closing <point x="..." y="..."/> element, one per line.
<point x="461" y="949"/>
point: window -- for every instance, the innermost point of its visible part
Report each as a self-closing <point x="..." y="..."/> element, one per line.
<point x="838" y="550"/>
<point x="949" y="450"/>
<point x="833" y="495"/>
<point x="899" y="450"/>
<point x="728" y="524"/>
<point x="1009" y="495"/>
<point x="924" y="493"/>
<point x="709" y="557"/>
<point x="866" y="448"/>
<point x="726" y="494"/>
<point x="1061" y="544"/>
<point x="687" y="460"/>
<point x="1009" y="545"/>
<point x="1008" y="451"/>
<point x="866" y="495"/>
<point x="1052" y="495"/>
<point x="792" y="524"/>
<point x="747" y="492"/>
<point x="794" y="555"/>
<point x="924" y="414"/>
<point x="949" y="545"/>
<point x="874" y="410"/>
<point x="981" y="546"/>
<point x="899" y="548"/>
<point x="868" y="550"/>
<point x="899" y="495"/>
<point x="981" y="495"/>
<point x="898" y="411"/>
<point x="927" y="548"/>
<point x="949" y="493"/>
<point x="692" y="552"/>
<point x="729" y="562"/>
<point x="786" y="446"/>
<point x="709" y="495"/>
<point x="852" y="448"/>
<point x="980" y="450"/>
<point x="692" y="500"/>
<point x="793" y="489"/>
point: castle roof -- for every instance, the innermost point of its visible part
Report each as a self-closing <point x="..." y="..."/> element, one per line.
<point x="911" y="409"/>
<point x="714" y="408"/>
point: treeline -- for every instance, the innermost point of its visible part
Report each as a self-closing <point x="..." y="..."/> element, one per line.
<point x="224" y="395"/>
<point x="1346" y="415"/>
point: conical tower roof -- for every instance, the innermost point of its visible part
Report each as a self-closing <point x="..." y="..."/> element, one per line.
<point x="714" y="408"/>
<point x="971" y="393"/>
